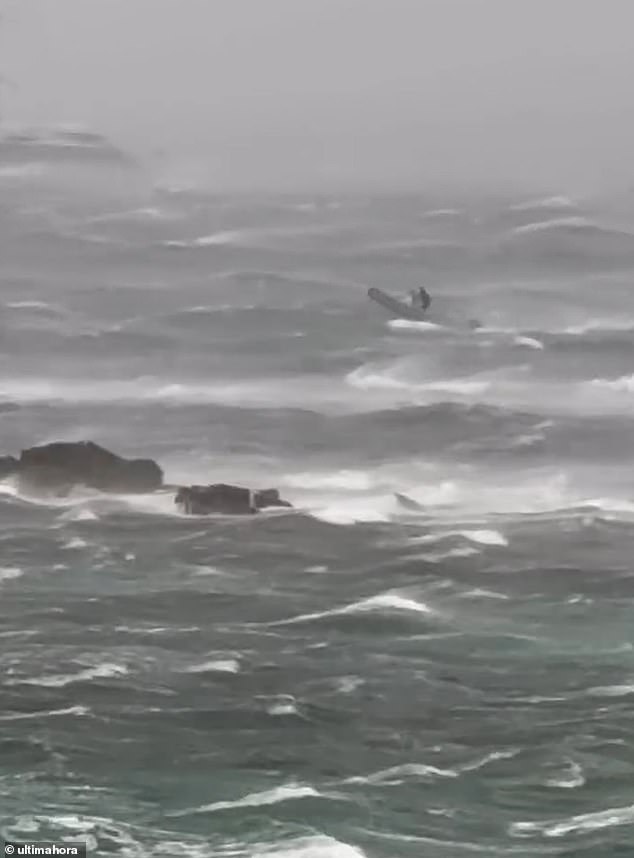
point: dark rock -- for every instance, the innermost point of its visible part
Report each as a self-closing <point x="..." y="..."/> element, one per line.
<point x="225" y="499"/>
<point x="269" y="497"/>
<point x="8" y="466"/>
<point x="58" y="467"/>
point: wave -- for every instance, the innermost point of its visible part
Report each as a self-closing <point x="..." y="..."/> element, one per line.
<point x="101" y="671"/>
<point x="230" y="665"/>
<point x="216" y="239"/>
<point x="382" y="603"/>
<point x="150" y="214"/>
<point x="400" y="774"/>
<point x="78" y="711"/>
<point x="608" y="325"/>
<point x="407" y="324"/>
<point x="442" y="213"/>
<point x="8" y="573"/>
<point x="287" y="792"/>
<point x="365" y="378"/>
<point x="623" y="384"/>
<point x="32" y="305"/>
<point x="317" y="846"/>
<point x="585" y="822"/>
<point x="565" y="223"/>
<point x="545" y="203"/>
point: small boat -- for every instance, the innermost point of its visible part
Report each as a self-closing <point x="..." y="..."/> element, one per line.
<point x="398" y="308"/>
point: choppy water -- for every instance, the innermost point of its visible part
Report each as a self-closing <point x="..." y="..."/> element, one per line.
<point x="353" y="678"/>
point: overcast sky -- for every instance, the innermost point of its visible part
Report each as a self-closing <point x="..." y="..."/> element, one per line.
<point x="326" y="92"/>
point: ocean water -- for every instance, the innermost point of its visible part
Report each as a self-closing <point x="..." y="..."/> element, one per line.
<point x="447" y="675"/>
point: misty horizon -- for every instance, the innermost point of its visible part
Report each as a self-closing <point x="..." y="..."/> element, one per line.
<point x="340" y="94"/>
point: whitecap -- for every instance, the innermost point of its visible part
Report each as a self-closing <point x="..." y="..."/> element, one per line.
<point x="7" y="573"/>
<point x="484" y="537"/>
<point x="398" y="774"/>
<point x="102" y="671"/>
<point x="554" y="202"/>
<point x="480" y="593"/>
<point x="555" y="223"/>
<point x="83" y="514"/>
<point x="446" y="555"/>
<point x="348" y="684"/>
<point x="227" y="665"/>
<point x="623" y="690"/>
<point x="576" y="824"/>
<point x="287" y="792"/>
<point x="319" y="846"/>
<point x="529" y="342"/>
<point x="286" y="705"/>
<point x="411" y="325"/>
<point x="215" y="239"/>
<point x="381" y="602"/>
<point x="75" y="542"/>
<point x="79" y="711"/>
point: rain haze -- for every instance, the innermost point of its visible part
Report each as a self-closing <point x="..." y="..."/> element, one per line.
<point x="397" y="94"/>
<point x="317" y="427"/>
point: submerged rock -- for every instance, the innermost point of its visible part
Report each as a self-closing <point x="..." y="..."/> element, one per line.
<point x="226" y="500"/>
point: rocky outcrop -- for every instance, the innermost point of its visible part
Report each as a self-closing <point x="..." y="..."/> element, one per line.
<point x="57" y="468"/>
<point x="226" y="500"/>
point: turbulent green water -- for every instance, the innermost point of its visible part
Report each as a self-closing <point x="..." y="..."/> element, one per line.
<point x="359" y="676"/>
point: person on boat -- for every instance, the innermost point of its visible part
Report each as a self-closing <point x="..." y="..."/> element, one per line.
<point x="420" y="298"/>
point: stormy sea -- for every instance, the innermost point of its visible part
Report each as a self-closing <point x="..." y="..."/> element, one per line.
<point x="431" y="654"/>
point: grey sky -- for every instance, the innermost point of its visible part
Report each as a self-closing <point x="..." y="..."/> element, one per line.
<point x="303" y="92"/>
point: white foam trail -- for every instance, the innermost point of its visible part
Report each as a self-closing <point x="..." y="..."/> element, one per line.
<point x="289" y="792"/>
<point x="215" y="239"/>
<point x="576" y="824"/>
<point x="49" y="713"/>
<point x="443" y="213"/>
<point x="30" y="305"/>
<point x="446" y="555"/>
<point x="611" y="690"/>
<point x="229" y="665"/>
<point x="365" y="378"/>
<point x="398" y="774"/>
<point x="102" y="671"/>
<point x="555" y="223"/>
<point x="492" y="757"/>
<point x="479" y="593"/>
<point x="555" y="202"/>
<point x="382" y="602"/>
<point x="613" y="325"/>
